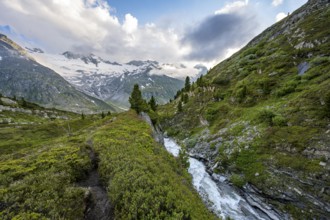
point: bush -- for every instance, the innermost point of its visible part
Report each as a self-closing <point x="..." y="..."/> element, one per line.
<point x="287" y="89"/>
<point x="237" y="180"/>
<point x="265" y="85"/>
<point x="279" y="121"/>
<point x="266" y="116"/>
<point x="241" y="93"/>
<point x="219" y="95"/>
<point x="211" y="114"/>
<point x="320" y="60"/>
<point x="221" y="81"/>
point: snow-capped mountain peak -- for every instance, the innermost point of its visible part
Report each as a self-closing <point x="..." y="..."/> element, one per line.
<point x="112" y="81"/>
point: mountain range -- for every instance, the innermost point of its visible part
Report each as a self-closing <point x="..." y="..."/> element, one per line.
<point x="23" y="77"/>
<point x="113" y="82"/>
<point x="97" y="78"/>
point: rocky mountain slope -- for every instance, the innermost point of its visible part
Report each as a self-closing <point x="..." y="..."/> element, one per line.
<point x="21" y="76"/>
<point x="112" y="81"/>
<point x="262" y="117"/>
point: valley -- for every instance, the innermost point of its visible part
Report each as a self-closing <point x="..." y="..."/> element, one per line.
<point x="86" y="137"/>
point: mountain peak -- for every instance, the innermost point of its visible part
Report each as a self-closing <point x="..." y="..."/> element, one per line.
<point x="70" y="55"/>
<point x="141" y="62"/>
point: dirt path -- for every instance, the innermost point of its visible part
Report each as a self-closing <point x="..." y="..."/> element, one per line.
<point x="96" y="200"/>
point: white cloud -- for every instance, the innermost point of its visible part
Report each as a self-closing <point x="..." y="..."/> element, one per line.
<point x="280" y="16"/>
<point x="86" y="26"/>
<point x="232" y="7"/>
<point x="130" y="24"/>
<point x="276" y="3"/>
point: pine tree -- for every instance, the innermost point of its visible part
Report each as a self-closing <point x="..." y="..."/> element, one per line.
<point x="199" y="81"/>
<point x="180" y="106"/>
<point x="185" y="98"/>
<point x="82" y="116"/>
<point x="102" y="115"/>
<point x="187" y="84"/>
<point x="136" y="100"/>
<point x="152" y="103"/>
<point x="24" y="103"/>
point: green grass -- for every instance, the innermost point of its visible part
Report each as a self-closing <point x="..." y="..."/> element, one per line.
<point x="41" y="163"/>
<point x="143" y="180"/>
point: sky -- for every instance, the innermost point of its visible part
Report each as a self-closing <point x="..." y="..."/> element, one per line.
<point x="172" y="31"/>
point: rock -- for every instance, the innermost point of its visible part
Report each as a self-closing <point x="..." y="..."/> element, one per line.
<point x="302" y="68"/>
<point x="297" y="191"/>
<point x="156" y="131"/>
<point x="323" y="164"/>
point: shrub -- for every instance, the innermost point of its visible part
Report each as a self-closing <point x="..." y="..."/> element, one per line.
<point x="266" y="116"/>
<point x="237" y="180"/>
<point x="320" y="60"/>
<point x="211" y="114"/>
<point x="265" y="85"/>
<point x="241" y="93"/>
<point x="221" y="81"/>
<point x="279" y="121"/>
<point x="287" y="89"/>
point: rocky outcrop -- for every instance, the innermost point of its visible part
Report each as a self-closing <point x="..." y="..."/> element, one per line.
<point x="156" y="130"/>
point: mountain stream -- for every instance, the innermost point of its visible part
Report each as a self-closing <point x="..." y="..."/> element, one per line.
<point x="219" y="196"/>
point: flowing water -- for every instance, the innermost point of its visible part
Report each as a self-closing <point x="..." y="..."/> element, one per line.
<point x="220" y="197"/>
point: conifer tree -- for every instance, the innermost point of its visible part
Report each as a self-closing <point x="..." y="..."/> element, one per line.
<point x="180" y="106"/>
<point x="199" y="81"/>
<point x="187" y="84"/>
<point x="24" y="103"/>
<point x="185" y="98"/>
<point x="136" y="100"/>
<point x="152" y="103"/>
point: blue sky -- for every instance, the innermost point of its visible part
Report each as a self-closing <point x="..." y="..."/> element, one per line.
<point x="185" y="31"/>
<point x="151" y="10"/>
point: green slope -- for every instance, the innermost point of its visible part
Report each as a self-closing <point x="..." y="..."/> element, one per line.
<point x="48" y="169"/>
<point x="261" y="118"/>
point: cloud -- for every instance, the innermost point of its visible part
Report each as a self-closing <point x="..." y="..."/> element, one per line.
<point x="231" y="27"/>
<point x="232" y="7"/>
<point x="280" y="16"/>
<point x="276" y="3"/>
<point x="88" y="26"/>
<point x="130" y="24"/>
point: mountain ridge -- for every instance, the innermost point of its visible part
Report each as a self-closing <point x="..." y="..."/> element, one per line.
<point x="261" y="118"/>
<point x="23" y="77"/>
<point x="113" y="82"/>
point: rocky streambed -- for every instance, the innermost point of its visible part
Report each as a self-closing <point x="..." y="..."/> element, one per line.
<point x="220" y="196"/>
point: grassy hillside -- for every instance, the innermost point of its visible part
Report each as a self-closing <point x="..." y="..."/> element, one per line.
<point x="49" y="168"/>
<point x="262" y="116"/>
<point x="143" y="180"/>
